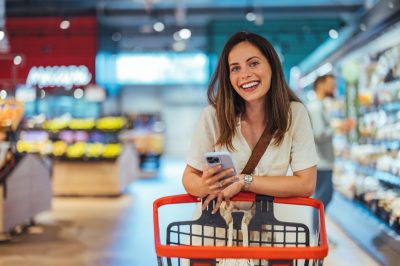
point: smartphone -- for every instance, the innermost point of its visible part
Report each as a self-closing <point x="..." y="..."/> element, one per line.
<point x="221" y="157"/>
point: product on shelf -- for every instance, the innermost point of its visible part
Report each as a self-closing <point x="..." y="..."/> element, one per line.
<point x="110" y="123"/>
<point x="81" y="124"/>
<point x="76" y="150"/>
<point x="11" y="112"/>
<point x="94" y="150"/>
<point x="56" y="124"/>
<point x="112" y="150"/>
<point x="59" y="148"/>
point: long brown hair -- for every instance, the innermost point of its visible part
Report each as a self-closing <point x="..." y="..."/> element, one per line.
<point x="228" y="104"/>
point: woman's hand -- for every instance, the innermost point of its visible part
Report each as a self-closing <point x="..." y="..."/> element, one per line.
<point x="225" y="194"/>
<point x="213" y="180"/>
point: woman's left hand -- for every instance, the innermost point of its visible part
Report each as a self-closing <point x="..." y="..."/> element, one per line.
<point x="225" y="195"/>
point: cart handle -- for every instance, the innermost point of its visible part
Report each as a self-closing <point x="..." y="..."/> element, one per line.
<point x="241" y="252"/>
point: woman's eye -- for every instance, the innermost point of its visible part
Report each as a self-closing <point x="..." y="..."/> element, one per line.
<point x="253" y="64"/>
<point x="234" y="69"/>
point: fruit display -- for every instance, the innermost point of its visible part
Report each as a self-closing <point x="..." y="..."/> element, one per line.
<point x="55" y="124"/>
<point x="110" y="123"/>
<point x="112" y="150"/>
<point x="11" y="112"/>
<point x="76" y="150"/>
<point x="81" y="124"/>
<point x="59" y="148"/>
<point x="95" y="150"/>
<point x="68" y="138"/>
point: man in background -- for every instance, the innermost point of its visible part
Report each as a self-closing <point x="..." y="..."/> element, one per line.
<point x="324" y="128"/>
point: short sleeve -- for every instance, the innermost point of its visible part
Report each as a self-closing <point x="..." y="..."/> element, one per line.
<point x="303" y="152"/>
<point x="203" y="139"/>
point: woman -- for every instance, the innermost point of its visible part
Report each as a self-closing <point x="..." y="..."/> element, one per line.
<point x="247" y="94"/>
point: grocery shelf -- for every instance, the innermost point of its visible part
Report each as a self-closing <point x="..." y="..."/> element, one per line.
<point x="385" y="177"/>
<point x="368" y="231"/>
<point x="387" y="107"/>
<point x="388" y="143"/>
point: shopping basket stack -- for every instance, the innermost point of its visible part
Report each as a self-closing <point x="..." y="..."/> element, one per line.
<point x="204" y="242"/>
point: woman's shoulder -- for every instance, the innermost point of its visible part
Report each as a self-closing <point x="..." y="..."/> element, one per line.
<point x="297" y="107"/>
<point x="208" y="113"/>
<point x="209" y="109"/>
<point x="299" y="112"/>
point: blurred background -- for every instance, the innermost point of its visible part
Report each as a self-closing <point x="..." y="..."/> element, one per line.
<point x="99" y="98"/>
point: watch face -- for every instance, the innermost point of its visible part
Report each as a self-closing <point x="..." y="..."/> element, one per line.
<point x="248" y="178"/>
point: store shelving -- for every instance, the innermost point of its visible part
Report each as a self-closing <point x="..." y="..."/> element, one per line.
<point x="375" y="236"/>
<point x="367" y="173"/>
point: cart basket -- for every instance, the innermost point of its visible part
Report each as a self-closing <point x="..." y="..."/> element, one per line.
<point x="277" y="243"/>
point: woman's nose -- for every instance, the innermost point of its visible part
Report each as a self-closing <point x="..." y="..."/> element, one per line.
<point x="245" y="74"/>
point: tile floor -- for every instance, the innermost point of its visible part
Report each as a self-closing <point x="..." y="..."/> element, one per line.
<point x="118" y="231"/>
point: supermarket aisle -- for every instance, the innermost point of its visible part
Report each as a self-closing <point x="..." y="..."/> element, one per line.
<point x="118" y="231"/>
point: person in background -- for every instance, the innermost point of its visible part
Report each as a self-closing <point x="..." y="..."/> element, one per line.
<point x="247" y="94"/>
<point x="324" y="127"/>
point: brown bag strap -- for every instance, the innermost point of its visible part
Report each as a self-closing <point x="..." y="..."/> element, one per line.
<point x="257" y="152"/>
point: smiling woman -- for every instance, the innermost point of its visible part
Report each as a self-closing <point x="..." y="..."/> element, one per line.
<point x="248" y="98"/>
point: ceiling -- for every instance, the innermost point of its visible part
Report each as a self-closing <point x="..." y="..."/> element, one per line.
<point x="294" y="27"/>
<point x="129" y="23"/>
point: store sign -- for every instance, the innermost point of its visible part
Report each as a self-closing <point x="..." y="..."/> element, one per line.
<point x="59" y="76"/>
<point x="161" y="68"/>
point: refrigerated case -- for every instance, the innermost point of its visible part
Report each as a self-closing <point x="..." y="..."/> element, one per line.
<point x="367" y="168"/>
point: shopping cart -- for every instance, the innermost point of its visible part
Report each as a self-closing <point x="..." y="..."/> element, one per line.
<point x="277" y="243"/>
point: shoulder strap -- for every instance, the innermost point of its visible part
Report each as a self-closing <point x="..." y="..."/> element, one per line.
<point x="257" y="152"/>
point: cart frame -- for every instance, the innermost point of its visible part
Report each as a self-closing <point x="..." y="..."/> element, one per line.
<point x="250" y="252"/>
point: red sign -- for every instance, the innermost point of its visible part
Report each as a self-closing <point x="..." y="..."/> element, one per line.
<point x="41" y="42"/>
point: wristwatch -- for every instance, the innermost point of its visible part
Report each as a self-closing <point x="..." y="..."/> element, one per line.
<point x="247" y="181"/>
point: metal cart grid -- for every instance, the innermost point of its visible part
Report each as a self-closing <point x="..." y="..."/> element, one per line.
<point x="288" y="243"/>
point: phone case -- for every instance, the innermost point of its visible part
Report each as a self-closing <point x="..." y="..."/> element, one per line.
<point x="223" y="158"/>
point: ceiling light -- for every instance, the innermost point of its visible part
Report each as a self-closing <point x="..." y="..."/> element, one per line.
<point x="333" y="34"/>
<point x="159" y="26"/>
<point x="251" y="16"/>
<point x="65" y="24"/>
<point x="185" y="34"/>
<point x="17" y="60"/>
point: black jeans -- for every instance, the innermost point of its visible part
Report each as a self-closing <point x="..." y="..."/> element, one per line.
<point x="323" y="192"/>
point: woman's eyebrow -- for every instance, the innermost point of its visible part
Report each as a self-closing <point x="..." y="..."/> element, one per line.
<point x="247" y="60"/>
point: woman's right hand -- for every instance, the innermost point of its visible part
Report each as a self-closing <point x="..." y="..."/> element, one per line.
<point x="214" y="181"/>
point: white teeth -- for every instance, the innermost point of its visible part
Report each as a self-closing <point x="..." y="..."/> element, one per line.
<point x="248" y="85"/>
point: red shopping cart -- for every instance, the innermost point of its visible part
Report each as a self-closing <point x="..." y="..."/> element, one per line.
<point x="270" y="241"/>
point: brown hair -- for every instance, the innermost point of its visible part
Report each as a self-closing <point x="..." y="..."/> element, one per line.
<point x="228" y="104"/>
<point x="322" y="79"/>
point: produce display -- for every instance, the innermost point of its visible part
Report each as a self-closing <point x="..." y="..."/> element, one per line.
<point x="81" y="124"/>
<point x="110" y="123"/>
<point x="68" y="138"/>
<point x="11" y="112"/>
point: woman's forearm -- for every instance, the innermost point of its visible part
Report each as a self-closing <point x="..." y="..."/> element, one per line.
<point x="301" y="184"/>
<point x="192" y="183"/>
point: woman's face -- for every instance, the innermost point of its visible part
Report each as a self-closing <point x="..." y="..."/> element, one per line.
<point x="249" y="72"/>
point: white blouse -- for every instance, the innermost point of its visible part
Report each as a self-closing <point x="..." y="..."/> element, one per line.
<point x="297" y="149"/>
